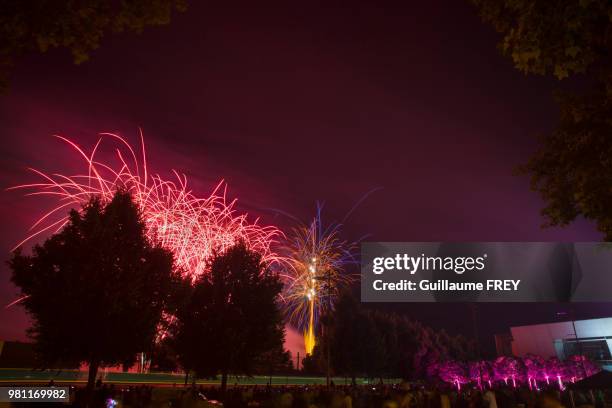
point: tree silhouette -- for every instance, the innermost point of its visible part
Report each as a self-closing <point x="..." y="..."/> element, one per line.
<point x="357" y="347"/>
<point x="78" y="26"/>
<point x="95" y="290"/>
<point x="163" y="356"/>
<point x="572" y="169"/>
<point x="231" y="318"/>
<point x="378" y="344"/>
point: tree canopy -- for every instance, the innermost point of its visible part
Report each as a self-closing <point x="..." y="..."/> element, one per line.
<point x="95" y="290"/>
<point x="556" y="37"/>
<point x="232" y="318"/>
<point x="572" y="169"/>
<point x="76" y="25"/>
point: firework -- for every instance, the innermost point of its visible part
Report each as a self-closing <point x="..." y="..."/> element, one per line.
<point x="316" y="257"/>
<point x="193" y="228"/>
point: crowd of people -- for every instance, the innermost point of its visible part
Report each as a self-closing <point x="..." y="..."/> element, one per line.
<point x="407" y="396"/>
<point x="404" y="395"/>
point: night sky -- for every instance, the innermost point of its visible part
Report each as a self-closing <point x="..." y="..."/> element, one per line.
<point x="294" y="103"/>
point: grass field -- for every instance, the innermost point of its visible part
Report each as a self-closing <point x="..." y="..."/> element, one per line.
<point x="28" y="376"/>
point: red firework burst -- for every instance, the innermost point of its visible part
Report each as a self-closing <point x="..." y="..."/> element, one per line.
<point x="193" y="228"/>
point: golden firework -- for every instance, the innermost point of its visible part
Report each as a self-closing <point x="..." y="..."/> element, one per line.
<point x="314" y="275"/>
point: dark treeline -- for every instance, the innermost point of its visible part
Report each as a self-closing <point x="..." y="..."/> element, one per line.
<point x="374" y="344"/>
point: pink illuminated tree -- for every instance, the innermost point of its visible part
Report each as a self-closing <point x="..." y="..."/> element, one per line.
<point x="534" y="369"/>
<point x="509" y="370"/>
<point x="580" y="367"/>
<point x="481" y="373"/>
<point x="453" y="372"/>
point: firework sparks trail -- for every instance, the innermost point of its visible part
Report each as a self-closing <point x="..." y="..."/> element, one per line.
<point x="316" y="257"/>
<point x="192" y="228"/>
<point x="16" y="301"/>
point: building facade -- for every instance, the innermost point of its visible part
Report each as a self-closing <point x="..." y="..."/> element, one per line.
<point x="592" y="338"/>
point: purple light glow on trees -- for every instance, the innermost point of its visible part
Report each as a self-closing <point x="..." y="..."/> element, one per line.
<point x="453" y="372"/>
<point x="480" y="372"/>
<point x="534" y="369"/>
<point x="507" y="368"/>
<point x="582" y="366"/>
<point x="554" y="370"/>
<point x="514" y="371"/>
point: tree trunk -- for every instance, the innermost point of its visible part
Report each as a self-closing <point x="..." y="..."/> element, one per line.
<point x="223" y="383"/>
<point x="93" y="372"/>
<point x="91" y="380"/>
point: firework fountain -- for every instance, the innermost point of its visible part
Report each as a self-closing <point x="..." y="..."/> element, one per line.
<point x="193" y="228"/>
<point x="316" y="258"/>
